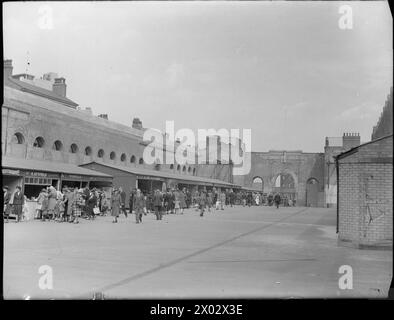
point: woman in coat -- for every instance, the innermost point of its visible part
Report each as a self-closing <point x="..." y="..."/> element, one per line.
<point x="139" y="206"/>
<point x="202" y="202"/>
<point x="115" y="205"/>
<point x="18" y="201"/>
<point x="52" y="199"/>
<point x="69" y="201"/>
<point x="91" y="204"/>
<point x="78" y="205"/>
<point x="182" y="200"/>
<point x="40" y="199"/>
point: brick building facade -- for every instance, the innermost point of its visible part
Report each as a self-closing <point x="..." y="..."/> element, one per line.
<point x="365" y="188"/>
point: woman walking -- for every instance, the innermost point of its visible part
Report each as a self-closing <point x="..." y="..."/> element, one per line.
<point x="78" y="205"/>
<point x="182" y="200"/>
<point x="202" y="202"/>
<point x="115" y="205"/>
<point x="139" y="206"/>
<point x="18" y="201"/>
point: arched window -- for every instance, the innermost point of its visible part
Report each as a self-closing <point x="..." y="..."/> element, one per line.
<point x="132" y="159"/>
<point x="100" y="153"/>
<point x="18" y="138"/>
<point x="73" y="148"/>
<point x="123" y="157"/>
<point x="178" y="167"/>
<point x="189" y="170"/>
<point x="171" y="166"/>
<point x="88" y="151"/>
<point x="112" y="155"/>
<point x="312" y="181"/>
<point x="141" y="161"/>
<point x="194" y="171"/>
<point x="157" y="166"/>
<point x="184" y="169"/>
<point x="39" y="142"/>
<point x="258" y="183"/>
<point x="57" y="145"/>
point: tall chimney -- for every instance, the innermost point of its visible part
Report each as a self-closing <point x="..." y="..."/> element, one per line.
<point x="103" y="115"/>
<point x="350" y="140"/>
<point x="59" y="87"/>
<point x="137" y="124"/>
<point x="7" y="68"/>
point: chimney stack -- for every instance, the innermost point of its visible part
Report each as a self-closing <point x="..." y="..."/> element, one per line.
<point x="350" y="140"/>
<point x="137" y="124"/>
<point x="7" y="68"/>
<point x="104" y="116"/>
<point x="59" y="87"/>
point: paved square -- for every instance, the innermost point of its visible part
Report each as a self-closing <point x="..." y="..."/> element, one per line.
<point x="257" y="252"/>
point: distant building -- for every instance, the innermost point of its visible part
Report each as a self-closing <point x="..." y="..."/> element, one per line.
<point x="42" y="128"/>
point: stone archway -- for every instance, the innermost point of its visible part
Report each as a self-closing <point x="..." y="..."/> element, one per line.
<point x="312" y="192"/>
<point x="285" y="183"/>
<point x="258" y="183"/>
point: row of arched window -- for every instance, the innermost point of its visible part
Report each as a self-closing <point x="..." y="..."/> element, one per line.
<point x="39" y="142"/>
<point x="183" y="169"/>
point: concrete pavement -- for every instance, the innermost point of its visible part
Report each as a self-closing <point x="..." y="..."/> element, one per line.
<point x="257" y="252"/>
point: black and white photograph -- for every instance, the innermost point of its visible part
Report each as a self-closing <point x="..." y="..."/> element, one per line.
<point x="171" y="150"/>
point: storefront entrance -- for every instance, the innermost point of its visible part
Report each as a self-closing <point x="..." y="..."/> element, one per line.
<point x="149" y="185"/>
<point x="12" y="179"/>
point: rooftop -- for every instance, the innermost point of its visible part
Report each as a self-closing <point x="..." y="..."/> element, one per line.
<point x="162" y="174"/>
<point x="27" y="87"/>
<point x="49" y="166"/>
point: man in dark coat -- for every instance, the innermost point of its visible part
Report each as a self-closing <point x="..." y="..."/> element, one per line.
<point x="6" y="202"/>
<point x="157" y="203"/>
<point x="131" y="200"/>
<point x="232" y="198"/>
<point x="123" y="201"/>
<point x="18" y="202"/>
<point x="277" y="200"/>
<point x="249" y="198"/>
<point x="171" y="202"/>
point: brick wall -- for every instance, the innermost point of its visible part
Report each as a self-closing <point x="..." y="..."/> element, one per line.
<point x="365" y="194"/>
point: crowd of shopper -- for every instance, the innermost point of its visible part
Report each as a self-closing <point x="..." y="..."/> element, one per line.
<point x="73" y="203"/>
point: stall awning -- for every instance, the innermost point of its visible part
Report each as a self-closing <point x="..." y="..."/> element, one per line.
<point x="142" y="173"/>
<point x="67" y="170"/>
<point x="252" y="189"/>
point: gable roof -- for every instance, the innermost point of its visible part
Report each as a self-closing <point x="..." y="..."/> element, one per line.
<point x="355" y="149"/>
<point x="27" y="87"/>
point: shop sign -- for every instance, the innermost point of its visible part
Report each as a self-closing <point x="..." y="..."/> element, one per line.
<point x="10" y="172"/>
<point x="150" y="178"/>
<point x="37" y="174"/>
<point x="71" y="176"/>
<point x="100" y="179"/>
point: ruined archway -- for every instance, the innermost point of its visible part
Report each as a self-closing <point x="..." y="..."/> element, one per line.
<point x="285" y="183"/>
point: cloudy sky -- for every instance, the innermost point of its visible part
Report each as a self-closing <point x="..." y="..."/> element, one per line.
<point x="286" y="70"/>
